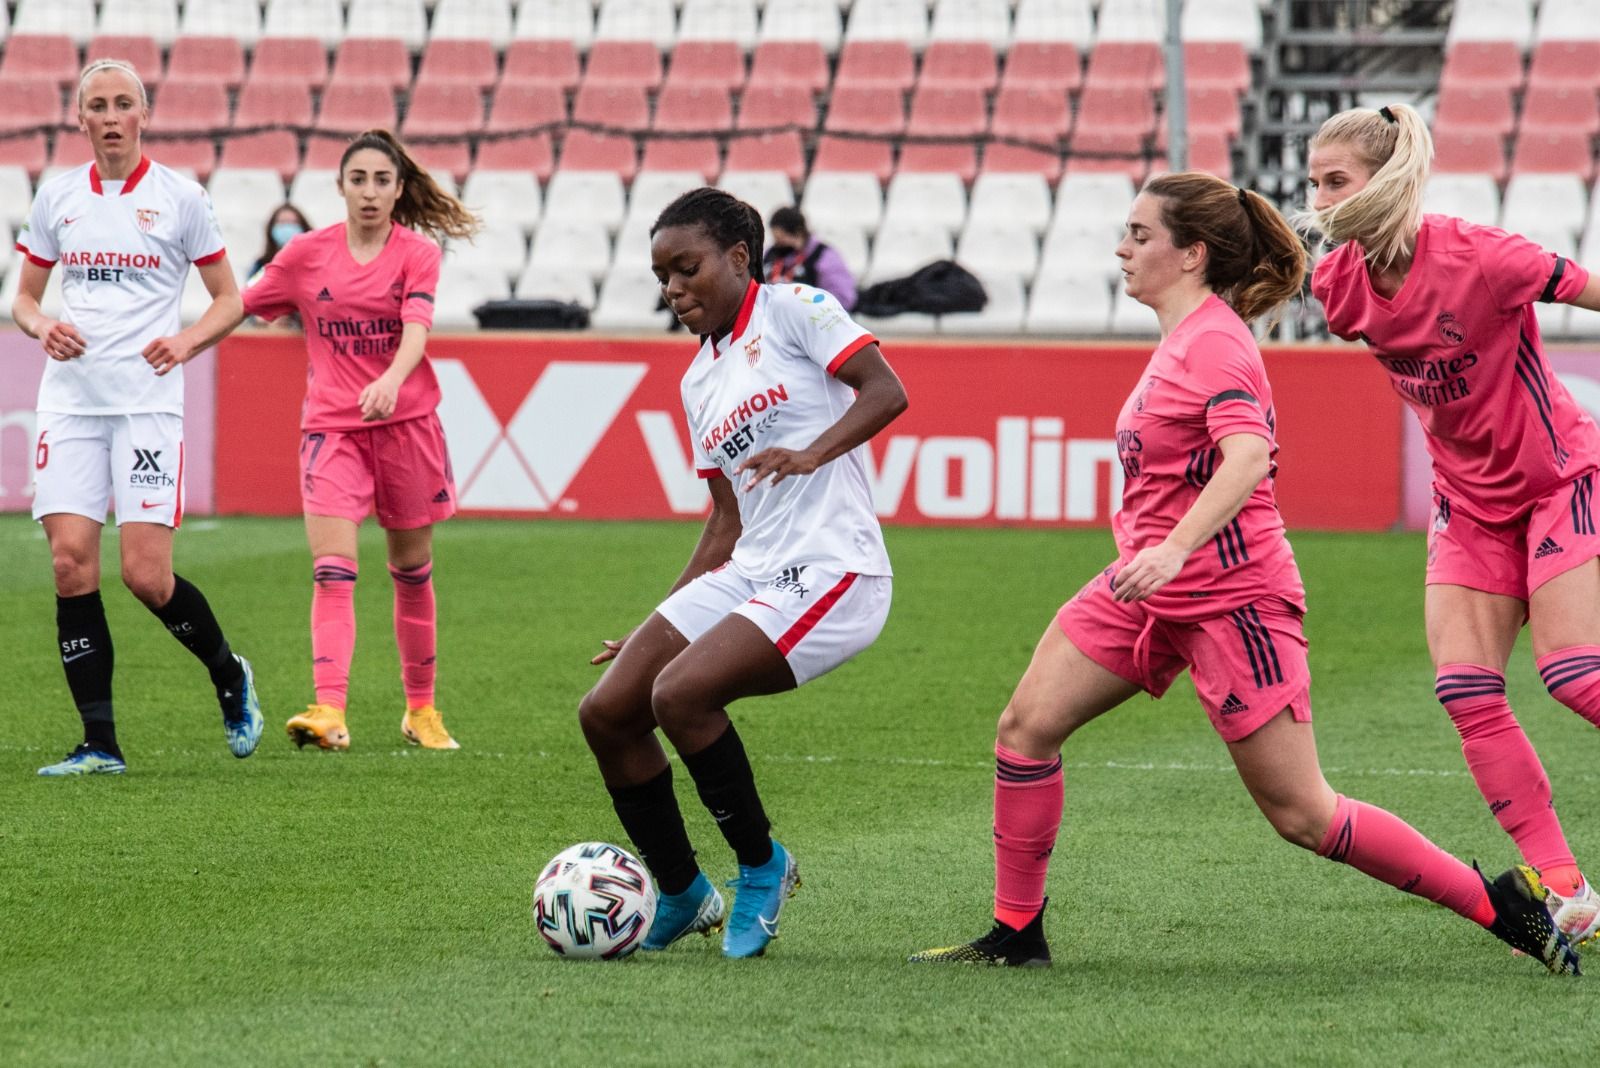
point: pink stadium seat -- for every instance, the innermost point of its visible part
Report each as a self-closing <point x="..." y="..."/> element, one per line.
<point x="521" y="107"/>
<point x="616" y="106"/>
<point x="1469" y="153"/>
<point x="693" y="107"/>
<point x="1485" y="64"/>
<point x="347" y="109"/>
<point x="625" y="64"/>
<point x="1011" y="159"/>
<point x="1471" y="109"/>
<point x="70" y="150"/>
<point x="959" y="65"/>
<point x="268" y="104"/>
<point x="697" y="154"/>
<point x="1213" y="111"/>
<point x="1561" y="108"/>
<point x="30" y="101"/>
<point x="291" y="59"/>
<point x="377" y="60"/>
<point x="870" y="111"/>
<point x="948" y="113"/>
<point x="959" y="159"/>
<point x="1209" y="152"/>
<point x="142" y="52"/>
<point x="1043" y="65"/>
<point x="585" y="151"/>
<point x="1554" y="152"/>
<point x="876" y="65"/>
<point x="1126" y="65"/>
<point x="41" y="55"/>
<point x="530" y="154"/>
<point x="1031" y="114"/>
<point x="801" y="63"/>
<point x="541" y="63"/>
<point x="444" y="108"/>
<point x="851" y="154"/>
<point x="1116" y="109"/>
<point x="764" y="106"/>
<point x="1574" y="63"/>
<point x="1088" y="141"/>
<point x="1216" y="64"/>
<point x="189" y="106"/>
<point x="768" y="152"/>
<point x="207" y="59"/>
<point x="459" y="62"/>
<point x="717" y="64"/>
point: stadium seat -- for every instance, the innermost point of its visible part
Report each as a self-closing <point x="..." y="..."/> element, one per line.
<point x="1567" y="21"/>
<point x="882" y="66"/>
<point x="957" y="159"/>
<point x="1131" y="20"/>
<point x="268" y="104"/>
<point x="914" y="200"/>
<point x="319" y="19"/>
<point x="403" y="20"/>
<point x="502" y="248"/>
<point x="959" y="65"/>
<point x="189" y="109"/>
<point x="1117" y="151"/>
<point x="346" y="111"/>
<point x="240" y="192"/>
<point x="1237" y="21"/>
<point x="766" y="191"/>
<point x="73" y="19"/>
<point x="1474" y="197"/>
<point x="1473" y="109"/>
<point x="237" y="20"/>
<point x="958" y="114"/>
<point x="518" y="108"/>
<point x="1550" y="202"/>
<point x="1092" y="204"/>
<point x="1019" y="159"/>
<point x="33" y="55"/>
<point x="850" y="242"/>
<point x="718" y="20"/>
<point x="1469" y="153"/>
<point x="462" y="287"/>
<point x="1116" y="110"/>
<point x="683" y="109"/>
<point x="707" y="64"/>
<point x="157" y="19"/>
<point x="1126" y="65"/>
<point x="544" y="283"/>
<point x="1563" y="62"/>
<point x="142" y="52"/>
<point x="994" y="250"/>
<point x="30" y="102"/>
<point x="1554" y="152"/>
<point x="571" y="21"/>
<point x="767" y="152"/>
<point x="1003" y="310"/>
<point x="865" y="111"/>
<point x="459" y="62"/>
<point x="1130" y="318"/>
<point x="1069" y="302"/>
<point x="541" y="62"/>
<point x="218" y="60"/>
<point x="699" y="154"/>
<point x="888" y="20"/>
<point x="1483" y="64"/>
<point x="503" y="197"/>
<point x="591" y="196"/>
<point x="1491" y="20"/>
<point x="1052" y="65"/>
<point x="630" y="300"/>
<point x="316" y="194"/>
<point x="1054" y="21"/>
<point x="871" y="155"/>
<point x="613" y="106"/>
<point x="623" y="64"/>
<point x="637" y="20"/>
<point x="290" y="60"/>
<point x="1213" y="111"/>
<point x="439" y="108"/>
<point x="653" y="190"/>
<point x="847" y="199"/>
<point x="375" y="60"/>
<point x="73" y="150"/>
<point x="786" y="63"/>
<point x="585" y="151"/>
<point x="1027" y="114"/>
<point x="1561" y="108"/>
<point x="988" y="21"/>
<point x="488" y="20"/>
<point x="16" y="196"/>
<point x="1010" y="200"/>
<point x="1211" y="151"/>
<point x="802" y="20"/>
<point x="1216" y="64"/>
<point x="631" y="250"/>
<point x="571" y="243"/>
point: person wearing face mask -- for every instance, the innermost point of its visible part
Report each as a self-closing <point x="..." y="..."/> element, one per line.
<point x="796" y="256"/>
<point x="282" y="226"/>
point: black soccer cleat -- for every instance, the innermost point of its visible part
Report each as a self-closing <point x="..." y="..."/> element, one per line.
<point x="1002" y="947"/>
<point x="1522" y="921"/>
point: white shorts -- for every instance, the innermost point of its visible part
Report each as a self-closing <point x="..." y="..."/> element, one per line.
<point x="818" y="619"/>
<point x="83" y="464"/>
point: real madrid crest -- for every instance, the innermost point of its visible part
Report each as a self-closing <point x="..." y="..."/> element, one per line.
<point x="1450" y="329"/>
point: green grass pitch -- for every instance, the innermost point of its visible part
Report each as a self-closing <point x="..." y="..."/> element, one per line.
<point x="372" y="907"/>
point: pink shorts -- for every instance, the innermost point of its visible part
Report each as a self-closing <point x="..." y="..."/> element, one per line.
<point x="1515" y="558"/>
<point x="400" y="470"/>
<point x="1248" y="665"/>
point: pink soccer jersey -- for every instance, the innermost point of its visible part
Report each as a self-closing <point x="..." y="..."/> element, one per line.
<point x="1204" y="382"/>
<point x="353" y="315"/>
<point x="1462" y="348"/>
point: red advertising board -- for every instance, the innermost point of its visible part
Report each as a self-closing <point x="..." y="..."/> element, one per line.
<point x="996" y="433"/>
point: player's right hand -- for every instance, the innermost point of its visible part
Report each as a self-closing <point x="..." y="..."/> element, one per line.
<point x="612" y="648"/>
<point x="62" y="341"/>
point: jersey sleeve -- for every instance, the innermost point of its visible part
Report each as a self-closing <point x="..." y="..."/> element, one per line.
<point x="815" y="324"/>
<point x="202" y="237"/>
<point x="1230" y="382"/>
<point x="419" y="283"/>
<point x="37" y="239"/>
<point x="272" y="294"/>
<point x="1518" y="272"/>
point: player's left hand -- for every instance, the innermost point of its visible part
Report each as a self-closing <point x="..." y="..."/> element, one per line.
<point x="165" y="353"/>
<point x="777" y="465"/>
<point x="1148" y="571"/>
<point x="378" y="399"/>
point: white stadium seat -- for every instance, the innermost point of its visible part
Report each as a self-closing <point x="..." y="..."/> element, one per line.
<point x="1491" y="20"/>
<point x="542" y="283"/>
<point x="940" y="199"/>
<point x="719" y="20"/>
<point x="316" y="194"/>
<point x="637" y="20"/>
<point x="1054" y="20"/>
<point x="1005" y="249"/>
<point x="1223" y="20"/>
<point x="1128" y="316"/>
<point x="473" y="20"/>
<point x="1002" y="313"/>
<point x="462" y="287"/>
<point x="1474" y="197"/>
<point x="849" y="241"/>
<point x="902" y="247"/>
<point x="240" y="19"/>
<point x="74" y="18"/>
<point x="251" y="193"/>
<point x="972" y="20"/>
<point x="504" y="197"/>
<point x="1545" y="202"/>
<point x="889" y="20"/>
<point x="845" y="198"/>
<point x="592" y="196"/>
<point x="1000" y="199"/>
<point x="502" y="248"/>
<point x="766" y="191"/>
<point x="568" y="242"/>
<point x="1069" y="302"/>
<point x="1132" y="20"/>
<point x="654" y="190"/>
<point x="802" y="20"/>
<point x="140" y="18"/>
<point x="556" y="20"/>
<point x="630" y="299"/>
<point x="322" y="19"/>
<point x="1567" y="20"/>
<point x="405" y="20"/>
<point x="16" y="196"/>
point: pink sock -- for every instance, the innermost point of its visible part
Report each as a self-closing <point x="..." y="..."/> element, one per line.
<point x="333" y="627"/>
<point x="415" y="631"/>
<point x="1386" y="847"/>
<point x="1572" y="676"/>
<point x="1503" y="762"/>
<point x="1028" y="798"/>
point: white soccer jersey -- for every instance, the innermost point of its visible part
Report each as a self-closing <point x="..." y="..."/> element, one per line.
<point x="124" y="254"/>
<point x="769" y="384"/>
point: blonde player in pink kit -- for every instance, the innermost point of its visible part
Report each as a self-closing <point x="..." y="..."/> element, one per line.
<point x="1446" y="308"/>
<point x="1205" y="581"/>
<point x="371" y="440"/>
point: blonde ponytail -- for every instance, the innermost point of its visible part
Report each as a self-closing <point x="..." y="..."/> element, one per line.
<point x="1384" y="217"/>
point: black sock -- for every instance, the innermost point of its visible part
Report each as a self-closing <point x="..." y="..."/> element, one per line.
<point x="727" y="788"/>
<point x="87" y="657"/>
<point x="649" y="813"/>
<point x="188" y="617"/>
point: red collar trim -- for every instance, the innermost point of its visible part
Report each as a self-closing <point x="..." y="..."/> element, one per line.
<point x="747" y="309"/>
<point x="127" y="186"/>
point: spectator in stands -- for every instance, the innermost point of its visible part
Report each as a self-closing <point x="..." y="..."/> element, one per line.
<point x="1446" y="307"/>
<point x="1205" y="581"/>
<point x="796" y="256"/>
<point x="282" y="225"/>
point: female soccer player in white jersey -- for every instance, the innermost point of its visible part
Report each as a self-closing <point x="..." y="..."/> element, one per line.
<point x="1446" y="308"/>
<point x="370" y="436"/>
<point x="124" y="231"/>
<point x="790" y="578"/>
<point x="1205" y="581"/>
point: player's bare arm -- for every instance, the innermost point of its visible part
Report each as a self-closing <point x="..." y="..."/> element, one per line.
<point x="61" y="340"/>
<point x="225" y="312"/>
<point x="379" y="397"/>
<point x="880" y="398"/>
<point x="1589" y="296"/>
<point x="1246" y="459"/>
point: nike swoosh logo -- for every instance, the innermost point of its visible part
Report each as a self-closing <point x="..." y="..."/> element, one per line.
<point x="147" y="504"/>
<point x="69" y="222"/>
<point x="769" y="926"/>
<point x="76" y="656"/>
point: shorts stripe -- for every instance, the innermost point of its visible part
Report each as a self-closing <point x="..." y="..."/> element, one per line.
<point x="803" y="626"/>
<point x="1583" y="504"/>
<point x="177" y="508"/>
<point x="1257" y="647"/>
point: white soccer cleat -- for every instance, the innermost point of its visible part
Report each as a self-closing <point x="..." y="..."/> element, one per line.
<point x="1578" y="916"/>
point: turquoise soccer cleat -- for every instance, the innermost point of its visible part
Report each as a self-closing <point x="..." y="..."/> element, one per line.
<point x="85" y="761"/>
<point x="698" y="910"/>
<point x="241" y="713"/>
<point x="759" y="894"/>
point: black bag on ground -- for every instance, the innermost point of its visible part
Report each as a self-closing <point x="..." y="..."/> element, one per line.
<point x="941" y="287"/>
<point x="531" y="315"/>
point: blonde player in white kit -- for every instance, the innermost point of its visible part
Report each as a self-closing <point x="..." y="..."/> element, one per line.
<point x="789" y="580"/>
<point x="124" y="231"/>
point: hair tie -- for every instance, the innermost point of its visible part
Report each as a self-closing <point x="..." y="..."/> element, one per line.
<point x="1388" y="116"/>
<point x="1244" y="198"/>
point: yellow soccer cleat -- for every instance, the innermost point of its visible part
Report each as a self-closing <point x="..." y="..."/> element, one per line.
<point x="425" y="727"/>
<point x="320" y="725"/>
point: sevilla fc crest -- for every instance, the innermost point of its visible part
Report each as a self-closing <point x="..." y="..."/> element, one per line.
<point x="752" y="350"/>
<point x="146" y="218"/>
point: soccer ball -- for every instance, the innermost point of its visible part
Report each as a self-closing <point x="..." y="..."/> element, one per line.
<point x="594" y="901"/>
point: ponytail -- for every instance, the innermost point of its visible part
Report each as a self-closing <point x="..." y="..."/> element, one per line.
<point x="422" y="205"/>
<point x="1384" y="217"/>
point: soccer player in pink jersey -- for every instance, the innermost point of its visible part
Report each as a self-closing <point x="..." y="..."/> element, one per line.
<point x="124" y="232"/>
<point x="1205" y="580"/>
<point x="1446" y="308"/>
<point x="371" y="439"/>
<point x="790" y="578"/>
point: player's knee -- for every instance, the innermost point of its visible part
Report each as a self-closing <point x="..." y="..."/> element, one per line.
<point x="151" y="585"/>
<point x="671" y="701"/>
<point x="74" y="571"/>
<point x="1023" y="728"/>
<point x="1297" y="822"/>
<point x="603" y="719"/>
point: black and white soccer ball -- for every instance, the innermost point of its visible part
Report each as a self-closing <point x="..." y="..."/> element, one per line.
<point x="594" y="901"/>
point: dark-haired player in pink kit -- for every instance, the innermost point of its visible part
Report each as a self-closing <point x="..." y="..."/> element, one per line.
<point x="1206" y="581"/>
<point x="1446" y="307"/>
<point x="371" y="440"/>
